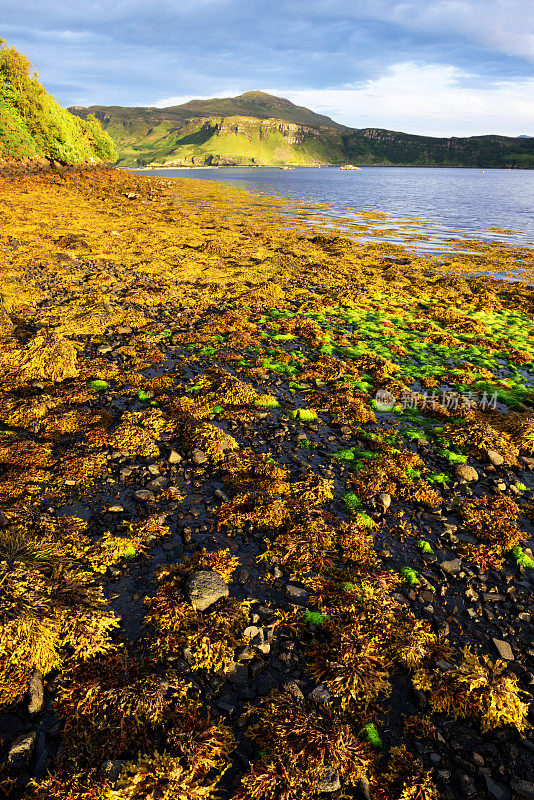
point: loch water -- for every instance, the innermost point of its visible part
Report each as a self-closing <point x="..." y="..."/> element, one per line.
<point x="449" y="202"/>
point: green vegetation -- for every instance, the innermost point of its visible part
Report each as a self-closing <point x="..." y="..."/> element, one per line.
<point x="372" y="736"/>
<point x="259" y="129"/>
<point x="522" y="560"/>
<point x="33" y="124"/>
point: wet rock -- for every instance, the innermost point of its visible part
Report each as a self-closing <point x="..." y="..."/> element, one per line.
<point x="365" y="788"/>
<point x="237" y="673"/>
<point x="110" y="770"/>
<point x="21" y="750"/>
<point x="319" y="695"/>
<point x="294" y="690"/>
<point x="496" y="791"/>
<point x="295" y="594"/>
<point x="467" y="785"/>
<point x="36" y="691"/>
<point x="505" y="651"/>
<point x="198" y="457"/>
<point x="329" y="781"/>
<point x="523" y="788"/>
<point x="494" y="458"/>
<point x="384" y="500"/>
<point x="452" y="567"/>
<point x="144" y="495"/>
<point x="466" y="473"/>
<point x="205" y="588"/>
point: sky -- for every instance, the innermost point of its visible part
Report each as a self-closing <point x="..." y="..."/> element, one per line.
<point x="433" y="67"/>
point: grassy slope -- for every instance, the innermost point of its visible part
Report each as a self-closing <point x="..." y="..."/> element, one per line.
<point x="242" y="140"/>
<point x="146" y="135"/>
<point x="33" y="124"/>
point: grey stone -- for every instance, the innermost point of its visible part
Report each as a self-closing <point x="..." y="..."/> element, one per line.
<point x="524" y="788"/>
<point x="36" y="690"/>
<point x="21" y="750"/>
<point x="205" y="588"/>
<point x="237" y="673"/>
<point x="496" y="791"/>
<point x="494" y="458"/>
<point x="295" y="594"/>
<point x="467" y="785"/>
<point x="319" y="695"/>
<point x="451" y="567"/>
<point x="329" y="780"/>
<point x="466" y="473"/>
<point x="505" y="651"/>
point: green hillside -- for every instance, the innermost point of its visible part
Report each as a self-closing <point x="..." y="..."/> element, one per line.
<point x="259" y="128"/>
<point x="33" y="124"/>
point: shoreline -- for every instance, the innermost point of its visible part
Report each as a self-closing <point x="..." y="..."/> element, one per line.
<point x="291" y="476"/>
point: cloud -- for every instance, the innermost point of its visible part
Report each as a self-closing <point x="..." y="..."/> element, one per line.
<point x="128" y="52"/>
<point x="429" y="100"/>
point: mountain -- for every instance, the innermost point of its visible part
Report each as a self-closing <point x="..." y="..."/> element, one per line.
<point x="33" y="125"/>
<point x="260" y="129"/>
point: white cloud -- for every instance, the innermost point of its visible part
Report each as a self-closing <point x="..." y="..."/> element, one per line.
<point x="431" y="100"/>
<point x="177" y="100"/>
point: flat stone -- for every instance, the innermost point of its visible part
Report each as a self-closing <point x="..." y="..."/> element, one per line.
<point x="115" y="509"/>
<point x="505" y="651"/>
<point x="237" y="673"/>
<point x="329" y="780"/>
<point x="205" y="588"/>
<point x="157" y="484"/>
<point x="36" y="691"/>
<point x="198" y="457"/>
<point x="466" y="473"/>
<point x="494" y="458"/>
<point x="496" y="791"/>
<point x="451" y="567"/>
<point x="21" y="750"/>
<point x="144" y="495"/>
<point x="295" y="594"/>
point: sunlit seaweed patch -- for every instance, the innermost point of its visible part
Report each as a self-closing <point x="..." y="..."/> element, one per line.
<point x="167" y="346"/>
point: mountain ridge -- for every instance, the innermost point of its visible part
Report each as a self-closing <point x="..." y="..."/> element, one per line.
<point x="259" y="129"/>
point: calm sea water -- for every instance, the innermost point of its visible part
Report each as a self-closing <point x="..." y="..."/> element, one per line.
<point x="455" y="202"/>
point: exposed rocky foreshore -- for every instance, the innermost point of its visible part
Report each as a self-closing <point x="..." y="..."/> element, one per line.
<point x="266" y="504"/>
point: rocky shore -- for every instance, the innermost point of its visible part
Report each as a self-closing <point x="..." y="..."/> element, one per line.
<point x="266" y="504"/>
